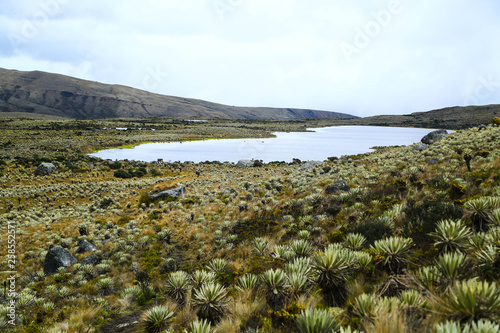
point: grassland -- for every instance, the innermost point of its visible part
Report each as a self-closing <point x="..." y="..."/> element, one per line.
<point x="412" y="245"/>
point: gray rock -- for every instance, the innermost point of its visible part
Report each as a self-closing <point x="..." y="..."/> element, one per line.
<point x="125" y="325"/>
<point x="482" y="127"/>
<point x="340" y="185"/>
<point x="434" y="136"/>
<point x="86" y="246"/>
<point x="55" y="258"/>
<point x="244" y="164"/>
<point x="174" y="193"/>
<point x="421" y="146"/>
<point x="45" y="169"/>
<point x="432" y="161"/>
<point x="309" y="165"/>
<point x="90" y="260"/>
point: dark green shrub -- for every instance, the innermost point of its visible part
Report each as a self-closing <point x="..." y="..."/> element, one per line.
<point x="422" y="219"/>
<point x="333" y="210"/>
<point x="372" y="230"/>
<point x="257" y="163"/>
<point x="115" y="165"/>
<point x="155" y="173"/>
<point x="122" y="174"/>
<point x="145" y="199"/>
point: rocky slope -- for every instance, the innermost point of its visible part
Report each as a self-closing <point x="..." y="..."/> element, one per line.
<point x="38" y="93"/>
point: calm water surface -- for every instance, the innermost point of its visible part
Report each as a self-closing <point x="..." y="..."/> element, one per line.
<point x="317" y="146"/>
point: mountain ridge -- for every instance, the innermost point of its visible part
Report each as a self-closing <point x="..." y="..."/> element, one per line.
<point x="38" y="92"/>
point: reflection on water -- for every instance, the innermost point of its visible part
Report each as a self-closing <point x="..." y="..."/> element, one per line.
<point x="317" y="145"/>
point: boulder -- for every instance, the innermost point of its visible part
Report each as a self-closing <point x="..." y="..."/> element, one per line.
<point x="86" y="246"/>
<point x="90" y="260"/>
<point x="45" y="169"/>
<point x="340" y="185"/>
<point x="309" y="165"/>
<point x="421" y="146"/>
<point x="55" y="258"/>
<point x="244" y="164"/>
<point x="434" y="136"/>
<point x="106" y="241"/>
<point x="174" y="193"/>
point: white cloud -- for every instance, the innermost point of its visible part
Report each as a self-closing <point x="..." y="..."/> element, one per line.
<point x="415" y="56"/>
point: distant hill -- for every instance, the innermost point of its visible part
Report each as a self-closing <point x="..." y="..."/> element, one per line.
<point x="456" y="117"/>
<point x="38" y="93"/>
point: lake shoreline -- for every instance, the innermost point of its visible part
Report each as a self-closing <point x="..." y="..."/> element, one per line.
<point x="314" y="144"/>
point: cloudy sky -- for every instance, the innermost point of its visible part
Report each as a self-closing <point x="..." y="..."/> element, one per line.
<point x="363" y="57"/>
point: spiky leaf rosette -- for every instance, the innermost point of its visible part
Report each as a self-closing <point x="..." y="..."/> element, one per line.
<point x="331" y="270"/>
<point x="211" y="301"/>
<point x="451" y="235"/>
<point x="274" y="284"/>
<point x="157" y="319"/>
<point x="316" y="321"/>
<point x="177" y="286"/>
<point x="395" y="251"/>
<point x="200" y="326"/>
<point x="472" y="300"/>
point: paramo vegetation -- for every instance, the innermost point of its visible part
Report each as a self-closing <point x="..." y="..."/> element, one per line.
<point x="408" y="240"/>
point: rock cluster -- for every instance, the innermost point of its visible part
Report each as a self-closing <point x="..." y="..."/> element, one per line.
<point x="55" y="258"/>
<point x="174" y="193"/>
<point x="434" y="136"/>
<point x="45" y="169"/>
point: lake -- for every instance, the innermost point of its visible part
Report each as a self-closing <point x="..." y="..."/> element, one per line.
<point x="317" y="146"/>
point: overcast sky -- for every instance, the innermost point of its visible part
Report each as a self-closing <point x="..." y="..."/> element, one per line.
<point x="363" y="57"/>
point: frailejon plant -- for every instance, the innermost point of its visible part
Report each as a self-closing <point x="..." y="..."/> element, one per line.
<point x="177" y="286"/>
<point x="217" y="265"/>
<point x="494" y="217"/>
<point x="200" y="326"/>
<point x="411" y="298"/>
<point x="247" y="282"/>
<point x="355" y="241"/>
<point x="481" y="326"/>
<point x="261" y="246"/>
<point x="331" y="270"/>
<point x="275" y="287"/>
<point x="316" y="321"/>
<point x="298" y="284"/>
<point x="395" y="251"/>
<point x="105" y="286"/>
<point x="301" y="266"/>
<point x="365" y="306"/>
<point x="199" y="277"/>
<point x="479" y="209"/>
<point x="489" y="261"/>
<point x="472" y="300"/>
<point x="301" y="248"/>
<point x="211" y="301"/>
<point x="157" y="319"/>
<point x="428" y="277"/>
<point x="451" y="235"/>
<point x="452" y="266"/>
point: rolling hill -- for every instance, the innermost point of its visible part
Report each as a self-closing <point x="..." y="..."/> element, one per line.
<point x="39" y="93"/>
